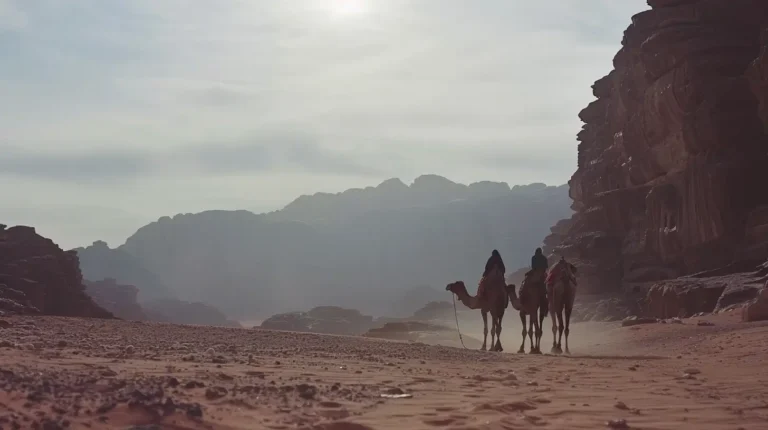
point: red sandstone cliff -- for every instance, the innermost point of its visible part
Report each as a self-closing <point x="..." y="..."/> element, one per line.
<point x="36" y="276"/>
<point x="673" y="156"/>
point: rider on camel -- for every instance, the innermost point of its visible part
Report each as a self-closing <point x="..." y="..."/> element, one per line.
<point x="494" y="261"/>
<point x="539" y="265"/>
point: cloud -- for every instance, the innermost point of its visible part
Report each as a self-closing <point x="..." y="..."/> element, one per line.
<point x="278" y="152"/>
<point x="188" y="107"/>
<point x="12" y="18"/>
<point x="99" y="167"/>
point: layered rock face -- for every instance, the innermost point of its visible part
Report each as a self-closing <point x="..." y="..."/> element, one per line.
<point x="672" y="157"/>
<point x="36" y="276"/>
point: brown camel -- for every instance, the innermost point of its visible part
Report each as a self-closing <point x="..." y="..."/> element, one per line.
<point x="493" y="300"/>
<point x="532" y="303"/>
<point x="561" y="291"/>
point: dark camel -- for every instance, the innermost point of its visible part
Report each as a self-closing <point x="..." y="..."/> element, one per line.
<point x="493" y="300"/>
<point x="561" y="291"/>
<point x="533" y="304"/>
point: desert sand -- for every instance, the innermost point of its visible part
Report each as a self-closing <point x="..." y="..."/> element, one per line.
<point x="87" y="373"/>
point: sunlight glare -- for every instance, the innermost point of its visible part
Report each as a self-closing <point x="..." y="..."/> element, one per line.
<point x="347" y="8"/>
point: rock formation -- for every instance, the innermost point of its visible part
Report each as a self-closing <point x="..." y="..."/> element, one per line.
<point x="98" y="261"/>
<point x="183" y="312"/>
<point x="757" y="309"/>
<point x="322" y="319"/>
<point x="36" y="276"/>
<point x="120" y="300"/>
<point x="672" y="156"/>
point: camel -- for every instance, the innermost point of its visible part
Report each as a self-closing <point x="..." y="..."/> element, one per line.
<point x="530" y="303"/>
<point x="561" y="291"/>
<point x="494" y="300"/>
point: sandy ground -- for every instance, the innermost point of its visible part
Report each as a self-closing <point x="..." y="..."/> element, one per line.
<point x="75" y="373"/>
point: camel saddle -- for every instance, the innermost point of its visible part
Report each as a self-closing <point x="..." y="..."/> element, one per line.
<point x="556" y="271"/>
<point x="494" y="279"/>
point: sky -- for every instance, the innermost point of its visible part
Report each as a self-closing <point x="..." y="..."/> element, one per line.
<point x="114" y="113"/>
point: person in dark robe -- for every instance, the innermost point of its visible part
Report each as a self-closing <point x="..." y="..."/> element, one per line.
<point x="539" y="265"/>
<point x="494" y="261"/>
<point x="539" y="261"/>
<point x="538" y="273"/>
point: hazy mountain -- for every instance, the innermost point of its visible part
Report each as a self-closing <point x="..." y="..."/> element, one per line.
<point x="98" y="262"/>
<point x="374" y="249"/>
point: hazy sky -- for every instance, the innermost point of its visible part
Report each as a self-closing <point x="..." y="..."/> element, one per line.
<point x="116" y="112"/>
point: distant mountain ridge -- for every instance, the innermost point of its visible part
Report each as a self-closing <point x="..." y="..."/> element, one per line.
<point x="371" y="249"/>
<point x="392" y="194"/>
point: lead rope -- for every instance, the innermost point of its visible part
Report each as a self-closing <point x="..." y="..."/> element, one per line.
<point x="456" y="314"/>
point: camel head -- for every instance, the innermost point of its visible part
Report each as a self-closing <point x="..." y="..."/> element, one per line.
<point x="457" y="288"/>
<point x="513" y="299"/>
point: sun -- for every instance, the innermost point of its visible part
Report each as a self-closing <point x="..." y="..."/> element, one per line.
<point x="347" y="8"/>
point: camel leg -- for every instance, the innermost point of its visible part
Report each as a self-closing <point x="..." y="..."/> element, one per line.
<point x="542" y="317"/>
<point x="485" y="330"/>
<point x="535" y="330"/>
<point x="552" y="305"/>
<point x="560" y="328"/>
<point x="493" y="333"/>
<point x="552" y="314"/>
<point x="540" y="332"/>
<point x="498" y="335"/>
<point x="567" y="327"/>
<point x="530" y="332"/>
<point x="522" y="345"/>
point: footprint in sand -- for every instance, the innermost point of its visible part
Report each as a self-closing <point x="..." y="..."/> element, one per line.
<point x="440" y="422"/>
<point x="445" y="409"/>
<point x="505" y="408"/>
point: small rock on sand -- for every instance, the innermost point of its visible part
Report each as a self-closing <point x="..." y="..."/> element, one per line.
<point x="618" y="424"/>
<point x="635" y="320"/>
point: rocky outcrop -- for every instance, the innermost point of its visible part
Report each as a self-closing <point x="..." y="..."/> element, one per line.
<point x="36" y="276"/>
<point x="120" y="300"/>
<point x="182" y="312"/>
<point x="604" y="308"/>
<point x="707" y="292"/>
<point x="322" y="319"/>
<point x="671" y="161"/>
<point x="98" y="261"/>
<point x="123" y="302"/>
<point x="757" y="309"/>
